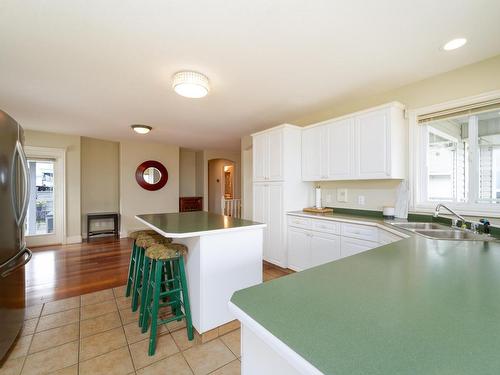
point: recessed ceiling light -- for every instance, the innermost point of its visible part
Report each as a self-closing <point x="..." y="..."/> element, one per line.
<point x="141" y="129"/>
<point x="190" y="84"/>
<point x="454" y="44"/>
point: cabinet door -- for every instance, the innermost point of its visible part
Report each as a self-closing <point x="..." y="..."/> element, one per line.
<point x="275" y="145"/>
<point x="372" y="141"/>
<point x="341" y="149"/>
<point x="352" y="246"/>
<point x="313" y="149"/>
<point x="324" y="248"/>
<point x="276" y="250"/>
<point x="260" y="157"/>
<point x="261" y="210"/>
<point x="299" y="251"/>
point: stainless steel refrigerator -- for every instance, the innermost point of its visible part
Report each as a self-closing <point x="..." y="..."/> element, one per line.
<point x="14" y="255"/>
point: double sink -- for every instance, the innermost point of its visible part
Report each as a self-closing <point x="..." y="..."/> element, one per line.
<point x="441" y="232"/>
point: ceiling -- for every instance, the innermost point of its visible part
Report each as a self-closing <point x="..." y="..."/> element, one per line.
<point x="93" y="67"/>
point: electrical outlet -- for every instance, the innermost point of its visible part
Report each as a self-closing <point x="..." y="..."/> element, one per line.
<point x="341" y="195"/>
<point x="328" y="199"/>
<point x="361" y="200"/>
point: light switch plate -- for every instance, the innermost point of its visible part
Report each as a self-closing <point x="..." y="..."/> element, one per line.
<point x="341" y="195"/>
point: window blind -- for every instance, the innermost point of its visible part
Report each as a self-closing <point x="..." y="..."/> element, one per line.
<point x="450" y="113"/>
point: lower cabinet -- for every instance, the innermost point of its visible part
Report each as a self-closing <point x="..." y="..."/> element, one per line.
<point x="309" y="249"/>
<point x="351" y="246"/>
<point x="312" y="242"/>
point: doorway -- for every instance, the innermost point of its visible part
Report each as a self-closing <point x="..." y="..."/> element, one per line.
<point x="45" y="218"/>
<point x="221" y="179"/>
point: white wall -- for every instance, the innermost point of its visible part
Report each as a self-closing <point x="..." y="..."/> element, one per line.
<point x="246" y="178"/>
<point x="187" y="173"/>
<point x="136" y="200"/>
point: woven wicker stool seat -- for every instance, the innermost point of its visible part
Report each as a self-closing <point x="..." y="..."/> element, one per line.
<point x="166" y="251"/>
<point x="137" y="233"/>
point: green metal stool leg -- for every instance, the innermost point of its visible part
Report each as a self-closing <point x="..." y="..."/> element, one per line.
<point x="131" y="270"/>
<point x="185" y="299"/>
<point x="177" y="284"/>
<point x="147" y="300"/>
<point x="138" y="278"/>
<point x="144" y="292"/>
<point x="155" y="305"/>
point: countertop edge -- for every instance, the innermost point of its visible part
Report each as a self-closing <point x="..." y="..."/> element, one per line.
<point x="372" y="223"/>
<point x="291" y="356"/>
<point x="200" y="233"/>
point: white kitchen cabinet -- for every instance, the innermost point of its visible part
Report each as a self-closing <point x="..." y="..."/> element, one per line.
<point x="299" y="250"/>
<point x="365" y="145"/>
<point x="260" y="157"/>
<point x="324" y="248"/>
<point x="308" y="248"/>
<point x="278" y="186"/>
<point x="341" y="149"/>
<point x="351" y="246"/>
<point x="268" y="156"/>
<point x="315" y="154"/>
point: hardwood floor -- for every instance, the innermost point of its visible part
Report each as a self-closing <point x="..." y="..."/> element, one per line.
<point x="63" y="271"/>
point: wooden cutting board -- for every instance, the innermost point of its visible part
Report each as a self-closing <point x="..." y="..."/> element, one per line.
<point x="315" y="210"/>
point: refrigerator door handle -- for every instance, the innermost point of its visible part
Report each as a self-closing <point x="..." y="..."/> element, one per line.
<point x="26" y="180"/>
<point x="28" y="254"/>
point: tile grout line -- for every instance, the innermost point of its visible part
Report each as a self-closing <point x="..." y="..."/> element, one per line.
<point x="31" y="341"/>
<point x="79" y="337"/>
<point x="126" y="339"/>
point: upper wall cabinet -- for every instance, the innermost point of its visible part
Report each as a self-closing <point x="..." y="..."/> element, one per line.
<point x="268" y="161"/>
<point x="366" y="145"/>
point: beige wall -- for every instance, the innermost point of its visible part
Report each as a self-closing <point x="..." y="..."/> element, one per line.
<point x="100" y="177"/>
<point x="136" y="200"/>
<point x="199" y="160"/>
<point x="187" y="173"/>
<point x="71" y="144"/>
<point x="467" y="81"/>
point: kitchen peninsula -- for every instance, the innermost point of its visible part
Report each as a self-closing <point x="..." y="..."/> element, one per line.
<point x="225" y="255"/>
<point x="413" y="306"/>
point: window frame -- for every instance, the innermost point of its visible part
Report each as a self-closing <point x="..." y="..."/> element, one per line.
<point x="418" y="145"/>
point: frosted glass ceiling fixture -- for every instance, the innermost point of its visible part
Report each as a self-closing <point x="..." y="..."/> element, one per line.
<point x="190" y="84"/>
<point x="454" y="44"/>
<point x="141" y="129"/>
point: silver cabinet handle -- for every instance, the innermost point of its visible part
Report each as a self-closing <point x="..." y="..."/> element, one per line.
<point x="26" y="180"/>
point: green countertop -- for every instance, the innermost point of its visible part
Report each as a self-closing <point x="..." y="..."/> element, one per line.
<point x="186" y="224"/>
<point x="416" y="306"/>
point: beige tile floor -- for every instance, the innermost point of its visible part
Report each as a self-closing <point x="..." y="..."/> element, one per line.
<point x="98" y="334"/>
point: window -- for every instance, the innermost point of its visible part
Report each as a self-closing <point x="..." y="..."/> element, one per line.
<point x="459" y="158"/>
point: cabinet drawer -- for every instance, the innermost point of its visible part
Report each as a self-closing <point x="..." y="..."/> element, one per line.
<point x="353" y="246"/>
<point x="326" y="226"/>
<point x="299" y="222"/>
<point x="362" y="232"/>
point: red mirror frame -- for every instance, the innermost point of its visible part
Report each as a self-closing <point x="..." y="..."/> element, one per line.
<point x="139" y="175"/>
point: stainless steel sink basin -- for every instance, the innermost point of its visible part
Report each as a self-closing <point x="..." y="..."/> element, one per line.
<point x="442" y="232"/>
<point x="424" y="226"/>
<point x="454" y="234"/>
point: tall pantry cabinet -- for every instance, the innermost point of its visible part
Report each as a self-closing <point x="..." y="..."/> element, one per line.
<point x="277" y="186"/>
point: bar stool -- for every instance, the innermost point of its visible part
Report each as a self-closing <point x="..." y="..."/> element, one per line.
<point x="142" y="243"/>
<point x="164" y="277"/>
<point x="133" y="258"/>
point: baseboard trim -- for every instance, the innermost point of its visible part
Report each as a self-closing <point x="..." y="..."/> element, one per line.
<point x="73" y="239"/>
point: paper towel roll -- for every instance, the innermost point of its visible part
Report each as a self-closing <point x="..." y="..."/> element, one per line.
<point x="318" y="197"/>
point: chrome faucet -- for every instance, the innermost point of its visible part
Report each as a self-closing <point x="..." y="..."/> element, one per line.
<point x="438" y="207"/>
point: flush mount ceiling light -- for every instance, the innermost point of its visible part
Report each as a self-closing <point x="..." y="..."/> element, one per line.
<point x="454" y="44"/>
<point x="141" y="129"/>
<point x="190" y="84"/>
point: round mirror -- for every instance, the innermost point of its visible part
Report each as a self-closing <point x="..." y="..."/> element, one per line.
<point x="152" y="175"/>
